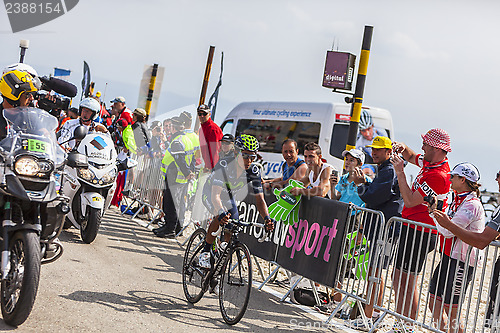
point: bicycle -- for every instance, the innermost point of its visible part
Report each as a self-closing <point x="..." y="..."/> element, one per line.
<point x="231" y="271"/>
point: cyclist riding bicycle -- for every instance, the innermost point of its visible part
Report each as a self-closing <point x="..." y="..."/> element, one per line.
<point x="230" y="181"/>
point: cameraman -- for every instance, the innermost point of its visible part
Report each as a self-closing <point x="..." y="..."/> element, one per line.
<point x="89" y="110"/>
<point x="17" y="88"/>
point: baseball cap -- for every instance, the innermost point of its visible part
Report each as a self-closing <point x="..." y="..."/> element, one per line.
<point x="356" y="153"/>
<point x="140" y="112"/>
<point x="186" y="116"/>
<point x="203" y="107"/>
<point x="227" y="138"/>
<point x="466" y="170"/>
<point x="176" y="121"/>
<point x="437" y="138"/>
<point x="381" y="142"/>
<point x="119" y="99"/>
<point x="155" y="124"/>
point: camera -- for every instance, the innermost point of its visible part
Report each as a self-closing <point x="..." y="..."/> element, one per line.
<point x="49" y="102"/>
<point x="431" y="200"/>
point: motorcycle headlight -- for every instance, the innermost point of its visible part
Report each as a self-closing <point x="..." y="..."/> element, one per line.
<point x="85" y="174"/>
<point x="108" y="178"/>
<point x="26" y="166"/>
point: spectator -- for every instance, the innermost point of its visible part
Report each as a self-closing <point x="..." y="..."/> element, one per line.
<point x="369" y="170"/>
<point x="227" y="146"/>
<point x="367" y="132"/>
<point x="479" y="240"/>
<point x="383" y="195"/>
<point x="345" y="190"/>
<point x="293" y="168"/>
<point x="318" y="179"/>
<point x="125" y="147"/>
<point x="167" y="130"/>
<point x="451" y="276"/>
<point x="432" y="180"/>
<point x="141" y="133"/>
<point x="210" y="136"/>
<point x="120" y="111"/>
<point x="190" y="134"/>
<point x="157" y="145"/>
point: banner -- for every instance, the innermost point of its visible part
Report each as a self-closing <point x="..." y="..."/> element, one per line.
<point x="85" y="80"/>
<point x="61" y="73"/>
<point x="313" y="246"/>
<point x="310" y="247"/>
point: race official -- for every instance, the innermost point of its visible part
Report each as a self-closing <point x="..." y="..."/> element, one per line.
<point x="178" y="167"/>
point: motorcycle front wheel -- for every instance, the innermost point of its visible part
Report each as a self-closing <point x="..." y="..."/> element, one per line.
<point x="18" y="291"/>
<point x="90" y="227"/>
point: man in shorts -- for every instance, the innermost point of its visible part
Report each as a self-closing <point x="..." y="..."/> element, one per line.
<point x="416" y="242"/>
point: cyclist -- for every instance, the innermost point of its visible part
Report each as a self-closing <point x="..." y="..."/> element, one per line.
<point x="88" y="110"/>
<point x="17" y="88"/>
<point x="229" y="182"/>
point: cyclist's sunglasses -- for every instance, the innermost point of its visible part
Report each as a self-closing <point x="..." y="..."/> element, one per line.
<point x="247" y="156"/>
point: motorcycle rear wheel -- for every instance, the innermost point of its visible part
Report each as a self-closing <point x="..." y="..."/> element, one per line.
<point x="89" y="228"/>
<point x="18" y="291"/>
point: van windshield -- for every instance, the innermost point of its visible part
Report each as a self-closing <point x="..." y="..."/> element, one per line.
<point x="271" y="133"/>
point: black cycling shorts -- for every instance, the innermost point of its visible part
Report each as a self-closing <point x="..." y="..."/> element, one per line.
<point x="413" y="247"/>
<point x="448" y="280"/>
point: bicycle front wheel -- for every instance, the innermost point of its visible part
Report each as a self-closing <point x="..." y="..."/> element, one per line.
<point x="235" y="284"/>
<point x="192" y="273"/>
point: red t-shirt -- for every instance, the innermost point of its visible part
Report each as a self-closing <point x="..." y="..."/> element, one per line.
<point x="127" y="115"/>
<point x="210" y="136"/>
<point x="433" y="179"/>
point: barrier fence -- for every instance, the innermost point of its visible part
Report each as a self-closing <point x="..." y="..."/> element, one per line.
<point x="355" y="251"/>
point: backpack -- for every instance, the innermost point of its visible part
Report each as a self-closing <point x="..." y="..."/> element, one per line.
<point x="306" y="297"/>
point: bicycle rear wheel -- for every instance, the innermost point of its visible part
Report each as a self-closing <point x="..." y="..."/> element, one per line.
<point x="235" y="284"/>
<point x="192" y="273"/>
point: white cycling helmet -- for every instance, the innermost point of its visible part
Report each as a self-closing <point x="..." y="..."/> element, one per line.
<point x="19" y="66"/>
<point x="91" y="104"/>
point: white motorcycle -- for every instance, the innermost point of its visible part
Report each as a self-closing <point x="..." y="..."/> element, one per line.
<point x="89" y="180"/>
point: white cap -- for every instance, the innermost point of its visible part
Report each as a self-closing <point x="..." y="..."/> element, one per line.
<point x="466" y="170"/>
<point x="356" y="153"/>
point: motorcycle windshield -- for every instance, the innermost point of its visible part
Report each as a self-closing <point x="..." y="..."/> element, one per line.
<point x="37" y="130"/>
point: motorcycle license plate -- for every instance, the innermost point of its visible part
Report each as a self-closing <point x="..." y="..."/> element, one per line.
<point x="37" y="145"/>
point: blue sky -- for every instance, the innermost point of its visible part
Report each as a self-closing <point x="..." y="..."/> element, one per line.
<point x="433" y="63"/>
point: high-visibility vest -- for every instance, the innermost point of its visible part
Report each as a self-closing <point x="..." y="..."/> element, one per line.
<point x="129" y="140"/>
<point x="188" y="156"/>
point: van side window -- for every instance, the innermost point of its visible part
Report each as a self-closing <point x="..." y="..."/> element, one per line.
<point x="271" y="133"/>
<point x="339" y="140"/>
<point x="227" y="126"/>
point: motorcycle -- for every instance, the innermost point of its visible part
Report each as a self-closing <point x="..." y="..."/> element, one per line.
<point x="89" y="180"/>
<point x="31" y="209"/>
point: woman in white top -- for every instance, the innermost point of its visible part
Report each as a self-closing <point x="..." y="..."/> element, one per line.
<point x="317" y="180"/>
<point x="458" y="260"/>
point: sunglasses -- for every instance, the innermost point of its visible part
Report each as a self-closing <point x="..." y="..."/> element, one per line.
<point x="246" y="156"/>
<point x="202" y="114"/>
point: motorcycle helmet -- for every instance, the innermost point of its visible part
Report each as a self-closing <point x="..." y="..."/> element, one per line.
<point x="91" y="104"/>
<point x="246" y="142"/>
<point x="14" y="83"/>
<point x="365" y="120"/>
<point x="24" y="68"/>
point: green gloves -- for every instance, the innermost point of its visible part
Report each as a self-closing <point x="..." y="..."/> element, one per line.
<point x="286" y="207"/>
<point x="358" y="249"/>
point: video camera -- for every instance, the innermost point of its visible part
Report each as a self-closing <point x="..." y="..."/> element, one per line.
<point x="49" y="102"/>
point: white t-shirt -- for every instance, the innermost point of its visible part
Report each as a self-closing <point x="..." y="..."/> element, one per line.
<point x="315" y="182"/>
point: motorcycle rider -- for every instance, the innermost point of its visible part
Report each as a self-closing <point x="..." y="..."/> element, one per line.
<point x="17" y="88"/>
<point x="88" y="110"/>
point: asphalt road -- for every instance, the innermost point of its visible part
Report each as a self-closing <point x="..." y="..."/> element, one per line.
<point x="130" y="281"/>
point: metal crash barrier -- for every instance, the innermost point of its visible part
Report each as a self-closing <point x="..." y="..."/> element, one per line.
<point x="353" y="251"/>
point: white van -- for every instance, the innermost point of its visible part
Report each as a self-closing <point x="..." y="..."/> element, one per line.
<point x="273" y="122"/>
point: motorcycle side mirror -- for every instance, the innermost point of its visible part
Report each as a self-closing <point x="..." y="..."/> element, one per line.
<point x="126" y="164"/>
<point x="80" y="132"/>
<point x="77" y="160"/>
